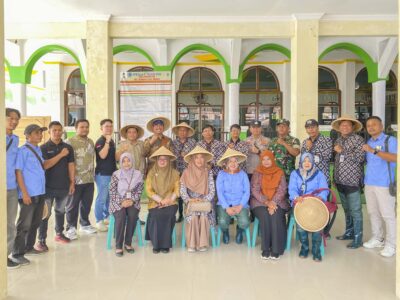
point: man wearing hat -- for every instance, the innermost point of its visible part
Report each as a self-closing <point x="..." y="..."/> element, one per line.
<point x="132" y="144"/>
<point x="182" y="145"/>
<point x="31" y="189"/>
<point x="157" y="126"/>
<point x="319" y="146"/>
<point x="257" y="143"/>
<point x="348" y="176"/>
<point x="285" y="147"/>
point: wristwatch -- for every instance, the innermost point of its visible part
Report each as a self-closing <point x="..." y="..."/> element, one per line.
<point x="376" y="151"/>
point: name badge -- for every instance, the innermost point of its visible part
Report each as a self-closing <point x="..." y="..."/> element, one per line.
<point x="128" y="195"/>
<point x="316" y="159"/>
<point x="341" y="158"/>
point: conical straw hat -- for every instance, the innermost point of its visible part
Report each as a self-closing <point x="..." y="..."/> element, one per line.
<point x="139" y="130"/>
<point x="162" y="151"/>
<point x="232" y="153"/>
<point x="198" y="150"/>
<point x="312" y="214"/>
<point x="183" y="124"/>
<point x="166" y="122"/>
<point x="357" y="124"/>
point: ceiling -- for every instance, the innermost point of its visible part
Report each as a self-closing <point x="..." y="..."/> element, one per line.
<point x="75" y="10"/>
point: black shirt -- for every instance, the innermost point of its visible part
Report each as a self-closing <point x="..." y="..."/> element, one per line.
<point x="57" y="177"/>
<point x="105" y="166"/>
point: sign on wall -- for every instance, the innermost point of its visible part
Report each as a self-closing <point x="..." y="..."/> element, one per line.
<point x="144" y="95"/>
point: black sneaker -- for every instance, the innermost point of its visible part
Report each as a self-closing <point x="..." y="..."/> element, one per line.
<point x="21" y="260"/>
<point x="165" y="250"/>
<point x="275" y="256"/>
<point x="12" y="265"/>
<point x="156" y="251"/>
<point x="265" y="255"/>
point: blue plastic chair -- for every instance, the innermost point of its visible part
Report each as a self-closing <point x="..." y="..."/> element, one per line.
<point x="111" y="232"/>
<point x="291" y="227"/>
<point x="183" y="241"/>
<point x="173" y="234"/>
<point x="248" y="239"/>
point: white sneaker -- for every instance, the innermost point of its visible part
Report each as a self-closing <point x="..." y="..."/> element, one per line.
<point x="71" y="233"/>
<point x="101" y="226"/>
<point x="191" y="250"/>
<point x="87" y="229"/>
<point x="203" y="249"/>
<point x="388" y="251"/>
<point x="373" y="243"/>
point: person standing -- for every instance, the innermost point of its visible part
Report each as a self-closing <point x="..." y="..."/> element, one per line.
<point x="348" y="176"/>
<point x="381" y="151"/>
<point x="157" y="126"/>
<point x="236" y="144"/>
<point x="132" y="144"/>
<point x="105" y="167"/>
<point x="257" y="143"/>
<point x="60" y="183"/>
<point x="81" y="202"/>
<point x="319" y="146"/>
<point x="182" y="145"/>
<point x="12" y="119"/>
<point x="285" y="147"/>
<point x="31" y="190"/>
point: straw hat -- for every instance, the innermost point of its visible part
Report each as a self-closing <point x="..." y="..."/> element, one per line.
<point x="183" y="124"/>
<point x="166" y="122"/>
<point x="232" y="153"/>
<point x="312" y="215"/>
<point x="162" y="151"/>
<point x="357" y="124"/>
<point x="139" y="130"/>
<point x="198" y="150"/>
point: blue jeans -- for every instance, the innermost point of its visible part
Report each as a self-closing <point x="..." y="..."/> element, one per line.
<point x="351" y="203"/>
<point x="103" y="197"/>
<point x="243" y="219"/>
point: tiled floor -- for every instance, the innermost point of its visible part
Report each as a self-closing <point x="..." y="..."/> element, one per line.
<point x="85" y="270"/>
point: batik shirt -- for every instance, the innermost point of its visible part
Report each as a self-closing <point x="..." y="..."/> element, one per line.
<point x="217" y="149"/>
<point x="84" y="159"/>
<point x="180" y="150"/>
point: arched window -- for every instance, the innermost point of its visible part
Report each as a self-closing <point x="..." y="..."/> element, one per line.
<point x="328" y="96"/>
<point x="141" y="69"/>
<point x="391" y="102"/>
<point x="75" y="99"/>
<point x="363" y="96"/>
<point x="260" y="98"/>
<point x="200" y="100"/>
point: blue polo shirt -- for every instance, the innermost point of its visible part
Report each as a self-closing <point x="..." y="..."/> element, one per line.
<point x="11" y="160"/>
<point x="377" y="172"/>
<point x="233" y="189"/>
<point x="32" y="171"/>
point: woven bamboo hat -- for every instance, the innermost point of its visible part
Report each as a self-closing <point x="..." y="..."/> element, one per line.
<point x="162" y="151"/>
<point x="139" y="130"/>
<point x="164" y="120"/>
<point x="184" y="125"/>
<point x="312" y="214"/>
<point x="232" y="153"/>
<point x="198" y="150"/>
<point x="357" y="124"/>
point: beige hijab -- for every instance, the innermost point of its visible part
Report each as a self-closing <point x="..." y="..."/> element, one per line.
<point x="195" y="178"/>
<point x="163" y="180"/>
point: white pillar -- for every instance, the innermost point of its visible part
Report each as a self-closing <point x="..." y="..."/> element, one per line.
<point x="347" y="87"/>
<point x="233" y="104"/>
<point x="285" y="88"/>
<point x="55" y="92"/>
<point x="379" y="99"/>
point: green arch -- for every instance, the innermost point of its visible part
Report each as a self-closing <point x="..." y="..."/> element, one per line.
<point x="275" y="47"/>
<point x="7" y="64"/>
<point x="33" y="59"/>
<point x="125" y="48"/>
<point x="372" y="67"/>
<point x="204" y="48"/>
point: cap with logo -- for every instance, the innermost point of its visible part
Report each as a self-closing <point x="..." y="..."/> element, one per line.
<point x="32" y="128"/>
<point x="311" y="123"/>
<point x="255" y="123"/>
<point x="283" y="121"/>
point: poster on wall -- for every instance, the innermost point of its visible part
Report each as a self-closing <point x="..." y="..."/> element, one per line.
<point x="144" y="95"/>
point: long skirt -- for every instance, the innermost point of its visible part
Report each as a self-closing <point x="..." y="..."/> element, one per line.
<point x="198" y="232"/>
<point x="272" y="229"/>
<point x="160" y="224"/>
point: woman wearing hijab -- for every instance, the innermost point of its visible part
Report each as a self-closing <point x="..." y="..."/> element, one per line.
<point x="162" y="187"/>
<point x="305" y="180"/>
<point x="198" y="189"/>
<point x="268" y="203"/>
<point x="125" y="189"/>
<point x="233" y="189"/>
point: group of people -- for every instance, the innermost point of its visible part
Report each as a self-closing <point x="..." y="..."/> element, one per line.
<point x="208" y="182"/>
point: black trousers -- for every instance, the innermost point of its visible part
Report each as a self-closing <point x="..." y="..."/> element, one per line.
<point x="28" y="222"/>
<point x="81" y="202"/>
<point x="125" y="225"/>
<point x="272" y="229"/>
<point x="60" y="198"/>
